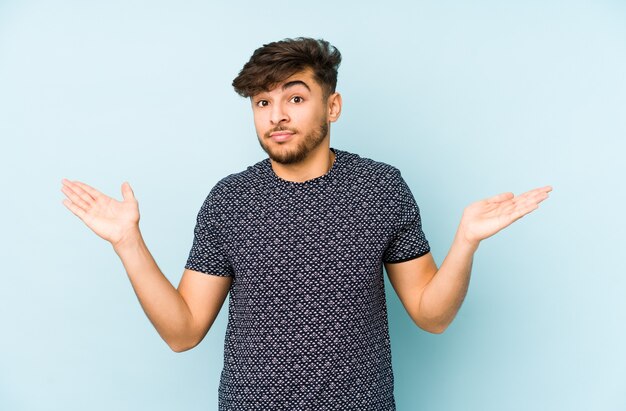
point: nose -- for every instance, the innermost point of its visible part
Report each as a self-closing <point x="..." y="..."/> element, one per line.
<point x="278" y="114"/>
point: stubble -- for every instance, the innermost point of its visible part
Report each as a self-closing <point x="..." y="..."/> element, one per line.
<point x="284" y="155"/>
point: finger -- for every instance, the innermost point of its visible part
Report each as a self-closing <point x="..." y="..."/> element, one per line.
<point x="529" y="203"/>
<point x="75" y="198"/>
<point x="541" y="197"/>
<point x="78" y="212"/>
<point x="527" y="206"/>
<point x="523" y="207"/>
<point x="500" y="197"/>
<point x="82" y="193"/>
<point x="78" y="190"/>
<point x="522" y="211"/>
<point x="127" y="192"/>
<point x="535" y="196"/>
<point x="92" y="191"/>
<point x="536" y="191"/>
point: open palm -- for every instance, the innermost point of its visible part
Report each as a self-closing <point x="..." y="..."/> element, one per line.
<point x="486" y="217"/>
<point x="110" y="219"/>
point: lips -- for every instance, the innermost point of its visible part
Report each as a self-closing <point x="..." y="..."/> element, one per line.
<point x="280" y="136"/>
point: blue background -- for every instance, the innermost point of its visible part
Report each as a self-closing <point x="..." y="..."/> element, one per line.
<point x="468" y="99"/>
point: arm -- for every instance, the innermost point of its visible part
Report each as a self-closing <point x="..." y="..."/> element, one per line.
<point x="432" y="296"/>
<point x="181" y="316"/>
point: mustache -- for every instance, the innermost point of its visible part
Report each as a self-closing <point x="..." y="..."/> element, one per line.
<point x="280" y="128"/>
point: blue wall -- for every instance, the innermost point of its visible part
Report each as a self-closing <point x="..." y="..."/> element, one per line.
<point x="468" y="99"/>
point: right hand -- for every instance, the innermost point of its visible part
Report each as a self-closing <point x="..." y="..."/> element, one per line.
<point x="112" y="220"/>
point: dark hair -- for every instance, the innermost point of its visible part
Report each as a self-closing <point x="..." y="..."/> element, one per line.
<point x="275" y="62"/>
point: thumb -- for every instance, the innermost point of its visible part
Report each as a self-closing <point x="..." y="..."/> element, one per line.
<point x="127" y="192"/>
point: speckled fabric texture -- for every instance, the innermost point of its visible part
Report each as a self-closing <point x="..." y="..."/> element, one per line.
<point x="307" y="316"/>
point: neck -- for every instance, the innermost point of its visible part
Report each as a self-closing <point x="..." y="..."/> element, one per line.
<point x="316" y="164"/>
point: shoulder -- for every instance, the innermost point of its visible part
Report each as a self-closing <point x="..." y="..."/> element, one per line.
<point x="238" y="184"/>
<point x="377" y="179"/>
<point x="364" y="168"/>
<point x="249" y="177"/>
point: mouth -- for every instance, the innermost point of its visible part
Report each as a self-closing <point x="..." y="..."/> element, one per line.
<point x="280" y="136"/>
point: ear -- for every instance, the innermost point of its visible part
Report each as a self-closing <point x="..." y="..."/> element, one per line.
<point x="334" y="107"/>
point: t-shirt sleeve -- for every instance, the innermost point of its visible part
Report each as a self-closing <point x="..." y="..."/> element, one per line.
<point x="408" y="241"/>
<point x="207" y="252"/>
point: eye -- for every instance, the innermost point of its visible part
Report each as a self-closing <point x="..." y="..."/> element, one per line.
<point x="262" y="103"/>
<point x="296" y="99"/>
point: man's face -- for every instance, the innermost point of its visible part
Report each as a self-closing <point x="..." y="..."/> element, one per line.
<point x="292" y="119"/>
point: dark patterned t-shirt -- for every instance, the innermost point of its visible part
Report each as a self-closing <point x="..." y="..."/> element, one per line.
<point x="307" y="317"/>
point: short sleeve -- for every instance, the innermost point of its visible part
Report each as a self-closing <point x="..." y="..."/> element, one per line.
<point x="207" y="252"/>
<point x="408" y="241"/>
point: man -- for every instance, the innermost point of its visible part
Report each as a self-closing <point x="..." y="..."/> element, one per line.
<point x="299" y="240"/>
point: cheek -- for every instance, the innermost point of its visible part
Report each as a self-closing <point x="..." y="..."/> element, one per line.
<point x="258" y="124"/>
<point x="305" y="118"/>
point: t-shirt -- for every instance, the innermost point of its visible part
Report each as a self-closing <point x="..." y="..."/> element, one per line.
<point x="307" y="317"/>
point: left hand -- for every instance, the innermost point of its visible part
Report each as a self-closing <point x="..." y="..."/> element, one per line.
<point x="486" y="217"/>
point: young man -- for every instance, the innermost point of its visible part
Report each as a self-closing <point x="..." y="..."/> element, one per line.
<point x="300" y="240"/>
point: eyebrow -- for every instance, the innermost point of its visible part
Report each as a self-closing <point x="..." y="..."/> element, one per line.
<point x="295" y="83"/>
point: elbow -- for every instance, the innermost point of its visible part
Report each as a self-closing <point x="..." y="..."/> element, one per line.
<point x="185" y="339"/>
<point x="436" y="329"/>
<point x="181" y="345"/>
<point x="433" y="326"/>
<point x="180" y="348"/>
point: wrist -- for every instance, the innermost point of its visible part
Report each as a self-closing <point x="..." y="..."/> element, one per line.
<point x="130" y="239"/>
<point x="465" y="242"/>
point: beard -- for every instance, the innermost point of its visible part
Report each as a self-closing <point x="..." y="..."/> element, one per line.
<point x="310" y="142"/>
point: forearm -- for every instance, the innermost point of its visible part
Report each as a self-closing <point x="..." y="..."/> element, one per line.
<point x="159" y="299"/>
<point x="444" y="294"/>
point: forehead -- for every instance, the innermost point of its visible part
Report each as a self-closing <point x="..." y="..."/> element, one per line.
<point x="304" y="78"/>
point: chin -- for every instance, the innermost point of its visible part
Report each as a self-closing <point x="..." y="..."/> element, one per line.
<point x="287" y="156"/>
<point x="297" y="149"/>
